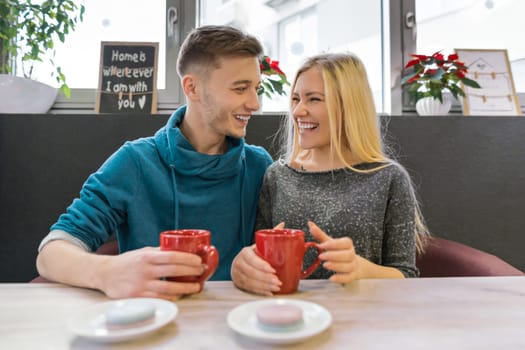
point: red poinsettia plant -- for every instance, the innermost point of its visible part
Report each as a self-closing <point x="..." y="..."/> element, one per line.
<point x="431" y="75"/>
<point x="273" y="78"/>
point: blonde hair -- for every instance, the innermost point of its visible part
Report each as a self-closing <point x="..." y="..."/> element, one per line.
<point x="355" y="133"/>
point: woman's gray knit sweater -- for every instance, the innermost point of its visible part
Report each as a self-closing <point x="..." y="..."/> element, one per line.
<point x="376" y="210"/>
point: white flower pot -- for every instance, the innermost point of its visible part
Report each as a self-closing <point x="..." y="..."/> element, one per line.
<point x="432" y="106"/>
<point x="21" y="95"/>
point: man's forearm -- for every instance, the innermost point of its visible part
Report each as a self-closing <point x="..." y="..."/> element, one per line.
<point x="64" y="262"/>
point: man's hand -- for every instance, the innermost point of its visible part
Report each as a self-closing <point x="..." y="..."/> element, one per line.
<point x="135" y="273"/>
<point x="138" y="273"/>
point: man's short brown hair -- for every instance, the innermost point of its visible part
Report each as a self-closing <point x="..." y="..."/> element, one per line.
<point x="203" y="47"/>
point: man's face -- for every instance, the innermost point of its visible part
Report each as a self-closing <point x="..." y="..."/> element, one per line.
<point x="229" y="95"/>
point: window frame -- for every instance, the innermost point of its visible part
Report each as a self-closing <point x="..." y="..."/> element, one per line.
<point x="406" y="45"/>
<point x="399" y="19"/>
<point x="169" y="98"/>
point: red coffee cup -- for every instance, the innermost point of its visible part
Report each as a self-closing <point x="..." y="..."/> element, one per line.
<point x="284" y="250"/>
<point x="192" y="241"/>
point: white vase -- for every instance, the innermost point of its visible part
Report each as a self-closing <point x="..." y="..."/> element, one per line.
<point x="22" y="95"/>
<point x="432" y="106"/>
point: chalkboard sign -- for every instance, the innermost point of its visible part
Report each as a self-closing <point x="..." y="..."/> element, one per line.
<point x="127" y="78"/>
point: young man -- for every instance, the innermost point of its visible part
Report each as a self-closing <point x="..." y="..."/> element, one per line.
<point x="196" y="172"/>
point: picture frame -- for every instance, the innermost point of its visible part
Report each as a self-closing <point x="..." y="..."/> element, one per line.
<point x="490" y="68"/>
<point x="127" y="77"/>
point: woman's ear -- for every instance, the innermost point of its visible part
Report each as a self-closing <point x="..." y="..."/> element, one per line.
<point x="190" y="86"/>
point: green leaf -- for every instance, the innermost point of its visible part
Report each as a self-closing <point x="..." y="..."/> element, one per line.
<point x="29" y="31"/>
<point x="276" y="86"/>
<point x="66" y="90"/>
<point x="471" y="83"/>
<point x="437" y="94"/>
<point x="267" y="86"/>
<point x="439" y="74"/>
<point x="414" y="87"/>
<point x="407" y="78"/>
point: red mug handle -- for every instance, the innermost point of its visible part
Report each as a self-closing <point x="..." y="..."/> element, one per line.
<point x="210" y="259"/>
<point x="315" y="264"/>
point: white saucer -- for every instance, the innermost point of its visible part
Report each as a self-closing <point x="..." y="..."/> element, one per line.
<point x="243" y="320"/>
<point x="91" y="323"/>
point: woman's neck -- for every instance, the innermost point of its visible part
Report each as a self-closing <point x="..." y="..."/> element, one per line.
<point x="317" y="160"/>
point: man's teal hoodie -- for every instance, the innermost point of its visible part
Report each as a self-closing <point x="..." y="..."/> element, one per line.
<point x="161" y="183"/>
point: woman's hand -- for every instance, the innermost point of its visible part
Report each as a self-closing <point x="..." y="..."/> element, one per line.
<point x="339" y="255"/>
<point x="253" y="274"/>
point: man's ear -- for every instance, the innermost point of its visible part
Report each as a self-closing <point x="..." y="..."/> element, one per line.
<point x="190" y="85"/>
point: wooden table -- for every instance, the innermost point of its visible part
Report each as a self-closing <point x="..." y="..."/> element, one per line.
<point x="433" y="313"/>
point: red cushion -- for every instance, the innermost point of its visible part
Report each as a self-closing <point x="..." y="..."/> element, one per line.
<point x="446" y="258"/>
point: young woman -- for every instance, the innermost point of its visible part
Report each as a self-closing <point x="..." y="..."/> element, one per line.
<point x="336" y="183"/>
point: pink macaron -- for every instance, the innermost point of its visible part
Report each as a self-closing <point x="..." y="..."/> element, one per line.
<point x="280" y="316"/>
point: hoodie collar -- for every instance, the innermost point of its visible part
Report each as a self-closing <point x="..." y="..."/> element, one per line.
<point x="178" y="153"/>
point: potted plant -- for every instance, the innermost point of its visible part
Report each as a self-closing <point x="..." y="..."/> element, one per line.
<point x="28" y="32"/>
<point x="429" y="76"/>
<point x="273" y="78"/>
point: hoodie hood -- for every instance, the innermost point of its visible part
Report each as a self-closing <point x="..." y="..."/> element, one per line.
<point x="179" y="154"/>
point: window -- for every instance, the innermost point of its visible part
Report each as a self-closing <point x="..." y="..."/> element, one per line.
<point x="121" y="20"/>
<point x="291" y="30"/>
<point x="383" y="33"/>
<point x="472" y="24"/>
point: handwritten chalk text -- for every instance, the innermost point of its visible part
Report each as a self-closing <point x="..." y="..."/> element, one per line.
<point x="118" y="56"/>
<point x="126" y="72"/>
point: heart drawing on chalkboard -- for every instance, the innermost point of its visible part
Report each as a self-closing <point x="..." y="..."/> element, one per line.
<point x="142" y="101"/>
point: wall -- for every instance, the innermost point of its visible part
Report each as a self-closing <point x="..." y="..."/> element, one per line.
<point x="468" y="173"/>
<point x="45" y="159"/>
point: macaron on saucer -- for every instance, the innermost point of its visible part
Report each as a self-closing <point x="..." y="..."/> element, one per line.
<point x="290" y="320"/>
<point x="121" y="320"/>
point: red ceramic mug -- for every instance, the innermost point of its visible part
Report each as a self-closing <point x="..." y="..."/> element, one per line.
<point x="284" y="250"/>
<point x="192" y="241"/>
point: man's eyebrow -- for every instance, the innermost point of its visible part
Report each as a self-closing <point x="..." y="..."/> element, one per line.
<point x="245" y="81"/>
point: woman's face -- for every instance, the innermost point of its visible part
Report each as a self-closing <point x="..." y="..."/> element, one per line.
<point x="309" y="110"/>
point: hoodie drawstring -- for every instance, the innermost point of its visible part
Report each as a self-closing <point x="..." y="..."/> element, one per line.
<point x="246" y="240"/>
<point x="175" y="198"/>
